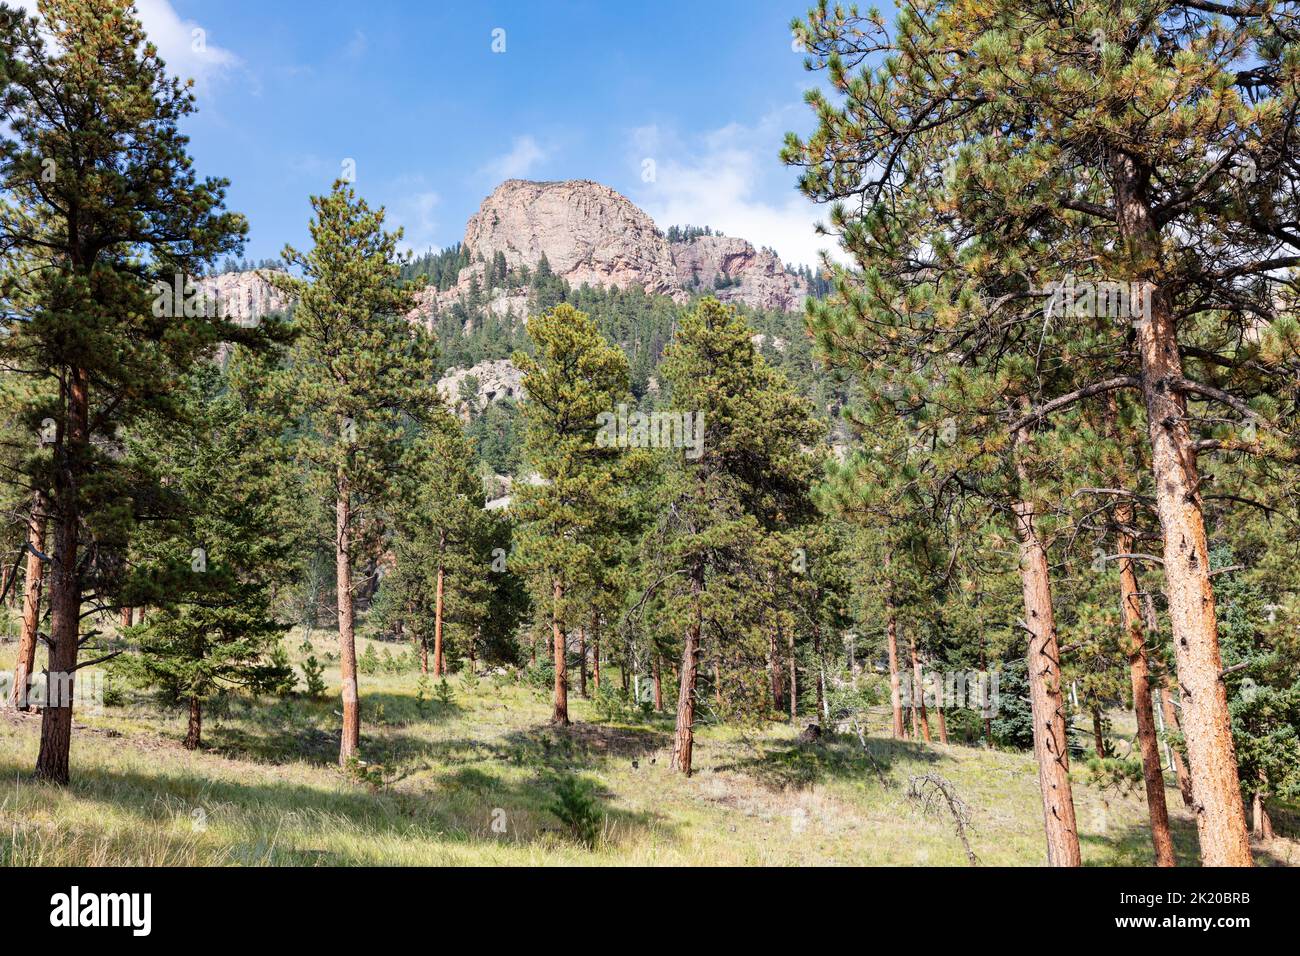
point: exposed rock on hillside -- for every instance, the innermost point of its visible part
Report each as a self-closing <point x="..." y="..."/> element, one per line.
<point x="756" y="278"/>
<point x="588" y="233"/>
<point x="244" y="297"/>
<point x="495" y="380"/>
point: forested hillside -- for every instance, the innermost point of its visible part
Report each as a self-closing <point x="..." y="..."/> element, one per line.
<point x="587" y="540"/>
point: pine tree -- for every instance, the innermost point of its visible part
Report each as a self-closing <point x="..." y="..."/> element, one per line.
<point x="101" y="199"/>
<point x="575" y="378"/>
<point x="212" y="568"/>
<point x="722" y="507"/>
<point x="362" y="377"/>
<point x="1121" y="146"/>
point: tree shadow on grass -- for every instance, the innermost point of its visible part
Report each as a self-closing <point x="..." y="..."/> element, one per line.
<point x="1131" y="846"/>
<point x="793" y="765"/>
<point x="290" y="730"/>
<point x="578" y="746"/>
<point x="287" y="823"/>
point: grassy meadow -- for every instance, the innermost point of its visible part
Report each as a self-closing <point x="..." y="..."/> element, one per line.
<point x="472" y="776"/>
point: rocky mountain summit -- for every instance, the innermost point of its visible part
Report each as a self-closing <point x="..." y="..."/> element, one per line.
<point x="590" y="234"/>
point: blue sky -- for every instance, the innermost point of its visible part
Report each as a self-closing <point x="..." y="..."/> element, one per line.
<point x="681" y="106"/>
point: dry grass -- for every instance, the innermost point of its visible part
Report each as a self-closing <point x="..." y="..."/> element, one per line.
<point x="265" y="791"/>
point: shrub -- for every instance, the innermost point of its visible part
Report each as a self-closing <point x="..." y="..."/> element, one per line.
<point x="369" y="663"/>
<point x="313" y="672"/>
<point x="574" y="803"/>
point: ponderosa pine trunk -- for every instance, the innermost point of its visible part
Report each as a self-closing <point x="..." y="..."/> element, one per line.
<point x="684" y="739"/>
<point x="1262" y="823"/>
<point x="1098" y="737"/>
<point x="774" y="668"/>
<point x="659" y="684"/>
<point x="1051" y="748"/>
<point x="821" y="673"/>
<point x="794" y="678"/>
<point x="918" y="689"/>
<point x="895" y="691"/>
<point x="26" y="658"/>
<point x="595" y="661"/>
<point x="1207" y="727"/>
<point x="350" y="738"/>
<point x="560" y="715"/>
<point x="438" y="667"/>
<point x="1175" y="755"/>
<point x="941" y="720"/>
<point x="65" y="587"/>
<point x="1165" y="700"/>
<point x="582" y="662"/>
<point x="194" y="732"/>
<point x="1140" y="681"/>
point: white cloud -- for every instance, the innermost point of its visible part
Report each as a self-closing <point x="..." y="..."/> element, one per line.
<point x="184" y="45"/>
<point x="730" y="179"/>
<point x="524" y="155"/>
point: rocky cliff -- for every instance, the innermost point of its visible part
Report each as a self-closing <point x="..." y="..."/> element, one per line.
<point x="588" y="234"/>
<point x="736" y="272"/>
<point x="591" y="234"/>
<point x="243" y="297"/>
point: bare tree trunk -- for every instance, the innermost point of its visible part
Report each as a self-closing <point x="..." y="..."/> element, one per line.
<point x="561" y="653"/>
<point x="943" y="723"/>
<point x="350" y="739"/>
<point x="1220" y="816"/>
<point x="65" y="587"/>
<point x="659" y="685"/>
<point x="1043" y="665"/>
<point x="595" y="661"/>
<point x="1167" y="711"/>
<point x="195" y="730"/>
<point x="26" y="658"/>
<point x="1139" y="680"/>
<point x="918" y="688"/>
<point x="684" y="740"/>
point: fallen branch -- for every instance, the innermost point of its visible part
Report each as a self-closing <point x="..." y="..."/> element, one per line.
<point x="928" y="789"/>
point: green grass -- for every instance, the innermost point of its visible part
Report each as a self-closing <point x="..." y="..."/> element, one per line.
<point x="265" y="790"/>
